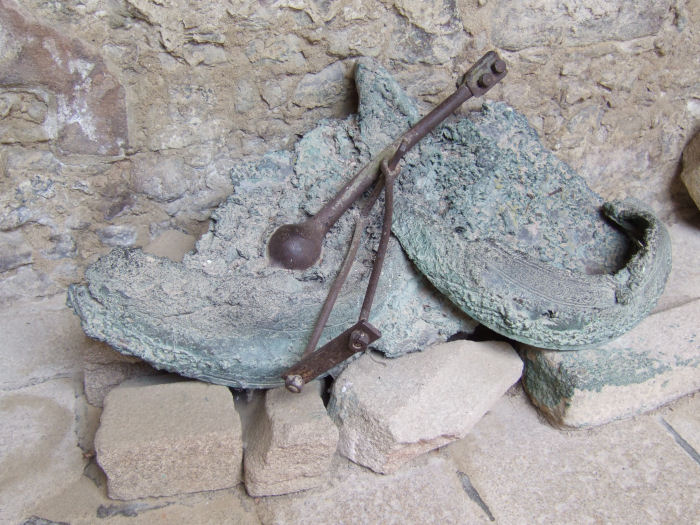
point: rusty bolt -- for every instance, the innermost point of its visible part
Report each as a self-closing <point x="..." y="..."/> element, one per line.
<point x="294" y="383"/>
<point x="359" y="340"/>
<point x="498" y="67"/>
<point x="486" y="80"/>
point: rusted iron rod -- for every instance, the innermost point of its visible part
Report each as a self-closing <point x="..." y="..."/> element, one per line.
<point x="389" y="177"/>
<point x="298" y="246"/>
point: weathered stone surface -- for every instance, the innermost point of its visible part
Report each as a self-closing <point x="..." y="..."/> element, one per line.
<point x="87" y="422"/>
<point x="683" y="284"/>
<point x="226" y="315"/>
<point x="60" y="246"/>
<point x="118" y="235"/>
<point x="323" y="88"/>
<point x="513" y="463"/>
<point x="29" y="187"/>
<point x="38" y="443"/>
<point x="36" y="520"/>
<point x="84" y="503"/>
<point x="172" y="244"/>
<point x="620" y="112"/>
<point x="424" y="492"/>
<point x="653" y="364"/>
<point x="291" y="444"/>
<point x="410" y="43"/>
<point x="163" y="178"/>
<point x="26" y="284"/>
<point x="683" y="418"/>
<point x="518" y="25"/>
<point x="43" y="341"/>
<point x="58" y="90"/>
<point x="358" y="40"/>
<point x="432" y="17"/>
<point x="186" y="32"/>
<point x="691" y="168"/>
<point x="389" y="411"/>
<point x="58" y="206"/>
<point x="14" y="251"/>
<point x="523" y="468"/>
<point x="103" y="372"/>
<point x="40" y="341"/>
<point x="24" y="116"/>
<point x="160" y="437"/>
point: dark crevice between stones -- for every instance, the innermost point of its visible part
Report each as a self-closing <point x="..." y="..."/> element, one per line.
<point x="249" y="406"/>
<point x="36" y="520"/>
<point x="326" y="386"/>
<point x="94" y="473"/>
<point x="129" y="510"/>
<point x="681" y="442"/>
<point x="481" y="333"/>
<point x="474" y="495"/>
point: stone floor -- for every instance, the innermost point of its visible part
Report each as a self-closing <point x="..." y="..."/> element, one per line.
<point x="512" y="468"/>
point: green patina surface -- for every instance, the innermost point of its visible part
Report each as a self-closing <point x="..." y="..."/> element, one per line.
<point x="549" y="386"/>
<point x="226" y="315"/>
<point x="508" y="233"/>
<point x="515" y="238"/>
<point x="647" y="367"/>
<point x="552" y="379"/>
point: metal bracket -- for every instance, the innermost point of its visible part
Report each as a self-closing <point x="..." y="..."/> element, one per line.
<point x="484" y="74"/>
<point x="353" y="340"/>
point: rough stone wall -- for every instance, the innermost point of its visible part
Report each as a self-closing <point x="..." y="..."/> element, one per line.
<point x="120" y="119"/>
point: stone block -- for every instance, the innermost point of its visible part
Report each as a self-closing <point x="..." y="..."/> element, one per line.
<point x="40" y="340"/>
<point x="160" y="437"/>
<point x="520" y="25"/>
<point x="15" y="251"/>
<point x="630" y="471"/>
<point x="683" y="421"/>
<point x="25" y="284"/>
<point x="291" y="443"/>
<point x="683" y="284"/>
<point x="653" y="364"/>
<point x="38" y="450"/>
<point x="428" y="491"/>
<point x="322" y="88"/>
<point x="389" y="411"/>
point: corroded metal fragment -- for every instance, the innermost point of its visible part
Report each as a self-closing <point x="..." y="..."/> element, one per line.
<point x="511" y="234"/>
<point x="225" y="314"/>
<point x="505" y="230"/>
<point x="517" y="240"/>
